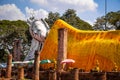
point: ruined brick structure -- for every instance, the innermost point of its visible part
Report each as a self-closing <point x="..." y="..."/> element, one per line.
<point x="62" y="47"/>
<point x="17" y="50"/>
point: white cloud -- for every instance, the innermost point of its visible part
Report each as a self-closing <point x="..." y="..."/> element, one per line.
<point x="41" y="13"/>
<point x="90" y="17"/>
<point x="11" y="12"/>
<point x="81" y="5"/>
<point x="39" y="1"/>
<point x="60" y="5"/>
<point x="91" y="23"/>
<point x="86" y="9"/>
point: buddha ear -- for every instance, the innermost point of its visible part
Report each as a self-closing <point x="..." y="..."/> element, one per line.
<point x="45" y="23"/>
<point x="29" y="22"/>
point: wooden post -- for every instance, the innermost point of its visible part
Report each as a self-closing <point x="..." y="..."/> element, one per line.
<point x="20" y="73"/>
<point x="62" y="48"/>
<point x="52" y="75"/>
<point x="75" y="74"/>
<point x="100" y="75"/>
<point x="9" y="66"/>
<point x="36" y="66"/>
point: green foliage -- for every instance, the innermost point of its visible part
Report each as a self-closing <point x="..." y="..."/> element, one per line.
<point x="52" y="17"/>
<point x="13" y="29"/>
<point x="10" y="30"/>
<point x="70" y="17"/>
<point x="3" y="56"/>
<point x="113" y="18"/>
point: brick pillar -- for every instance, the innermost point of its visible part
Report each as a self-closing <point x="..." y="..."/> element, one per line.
<point x="20" y="73"/>
<point x="17" y="50"/>
<point x="19" y="54"/>
<point x="9" y="66"/>
<point x="62" y="47"/>
<point x="36" y="66"/>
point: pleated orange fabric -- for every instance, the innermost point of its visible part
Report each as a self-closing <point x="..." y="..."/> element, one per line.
<point x="85" y="47"/>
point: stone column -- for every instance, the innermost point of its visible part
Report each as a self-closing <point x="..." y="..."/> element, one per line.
<point x="62" y="48"/>
<point x="36" y="66"/>
<point x="9" y="66"/>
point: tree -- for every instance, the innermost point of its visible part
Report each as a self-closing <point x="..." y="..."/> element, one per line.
<point x="114" y="19"/>
<point x="52" y="17"/>
<point x="110" y="21"/>
<point x="70" y="17"/>
<point x="3" y="55"/>
<point x="10" y="30"/>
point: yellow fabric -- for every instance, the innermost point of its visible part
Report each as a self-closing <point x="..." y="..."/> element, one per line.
<point x="85" y="47"/>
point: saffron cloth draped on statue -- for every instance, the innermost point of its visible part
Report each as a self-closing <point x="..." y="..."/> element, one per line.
<point x="85" y="47"/>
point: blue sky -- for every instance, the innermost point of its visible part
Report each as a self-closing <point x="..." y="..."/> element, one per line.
<point x="87" y="10"/>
